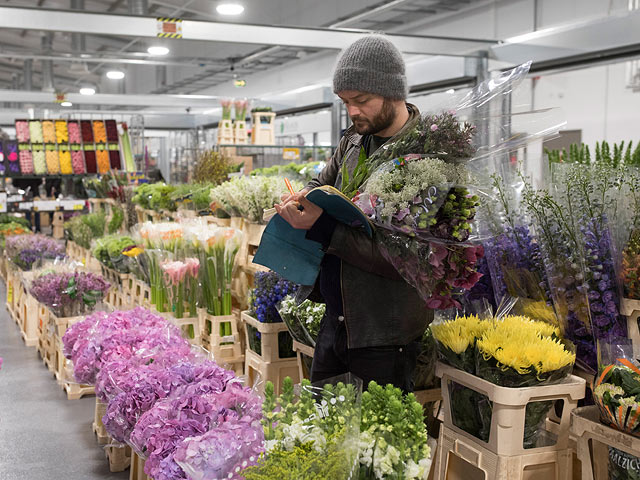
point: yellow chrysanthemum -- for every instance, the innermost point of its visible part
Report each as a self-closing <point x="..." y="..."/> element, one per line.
<point x="133" y="252"/>
<point x="524" y="345"/>
<point x="459" y="334"/>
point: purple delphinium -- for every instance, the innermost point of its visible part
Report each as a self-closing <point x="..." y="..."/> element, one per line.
<point x="269" y="290"/>
<point x="25" y="250"/>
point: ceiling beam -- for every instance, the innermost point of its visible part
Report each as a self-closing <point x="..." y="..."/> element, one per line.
<point x="127" y="25"/>
<point x="140" y="100"/>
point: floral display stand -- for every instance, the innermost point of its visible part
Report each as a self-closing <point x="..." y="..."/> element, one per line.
<point x="593" y="442"/>
<point x="64" y="369"/>
<point x="137" y="468"/>
<point x="26" y="311"/>
<point x="303" y="351"/>
<point x="263" y="355"/>
<point x="14" y="275"/>
<point x="503" y="456"/>
<point x="631" y="309"/>
<point x="140" y="293"/>
<point x="46" y="339"/>
<point x="119" y="456"/>
<point x="225" y="349"/>
<point x="97" y="426"/>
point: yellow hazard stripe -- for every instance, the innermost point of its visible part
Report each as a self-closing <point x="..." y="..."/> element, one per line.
<point x="169" y="35"/>
<point x="169" y="20"/>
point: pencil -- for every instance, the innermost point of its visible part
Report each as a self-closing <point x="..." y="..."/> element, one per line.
<point x="288" y="183"/>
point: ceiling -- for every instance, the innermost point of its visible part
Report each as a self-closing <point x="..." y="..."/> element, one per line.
<point x="192" y="66"/>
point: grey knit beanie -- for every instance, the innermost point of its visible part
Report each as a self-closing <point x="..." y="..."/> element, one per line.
<point x="372" y="64"/>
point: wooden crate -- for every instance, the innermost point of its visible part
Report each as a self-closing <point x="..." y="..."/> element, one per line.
<point x="119" y="456"/>
<point x="593" y="442"/>
<point x="137" y="468"/>
<point x="186" y="325"/>
<point x="269" y="338"/>
<point x="140" y="214"/>
<point x="64" y="367"/>
<point x="27" y="312"/>
<point x="140" y="293"/>
<point x="631" y="309"/>
<point x="98" y="427"/>
<point x="227" y="348"/>
<point x="13" y="282"/>
<point x="302" y="351"/>
<point x="508" y="410"/>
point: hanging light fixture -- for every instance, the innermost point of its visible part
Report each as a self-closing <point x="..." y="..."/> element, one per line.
<point x="157" y="50"/>
<point x="115" y="74"/>
<point x="229" y="9"/>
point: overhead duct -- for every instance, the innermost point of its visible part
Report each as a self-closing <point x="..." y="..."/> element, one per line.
<point x="27" y="74"/>
<point x="78" y="44"/>
<point x="47" y="65"/>
<point x="138" y="7"/>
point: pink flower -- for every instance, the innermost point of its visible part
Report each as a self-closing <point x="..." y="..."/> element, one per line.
<point x="434" y="127"/>
<point x="174" y="271"/>
<point x="193" y="266"/>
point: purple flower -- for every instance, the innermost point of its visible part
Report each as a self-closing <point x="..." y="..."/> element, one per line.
<point x="25" y="250"/>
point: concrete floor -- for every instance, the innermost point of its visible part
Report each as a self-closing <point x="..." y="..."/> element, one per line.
<point x="43" y="436"/>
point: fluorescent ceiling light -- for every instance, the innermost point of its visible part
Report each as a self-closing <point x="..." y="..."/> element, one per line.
<point x="451" y="91"/>
<point x="87" y="91"/>
<point x="229" y="9"/>
<point x="66" y="104"/>
<point x="115" y="75"/>
<point x="158" y="50"/>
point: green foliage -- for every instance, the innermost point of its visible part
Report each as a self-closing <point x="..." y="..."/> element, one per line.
<point x="360" y="174"/>
<point x="212" y="167"/>
<point x="621" y="154"/>
<point x="116" y="220"/>
<point x="4" y="218"/>
<point x="155" y="196"/>
<point x="108" y="250"/>
<point x="193" y="196"/>
<point x="303" y="172"/>
<point x="262" y="109"/>
<point x="82" y="229"/>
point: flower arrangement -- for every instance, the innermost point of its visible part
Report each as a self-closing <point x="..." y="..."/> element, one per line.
<point x="181" y="277"/>
<point x="83" y="229"/>
<point x="248" y="197"/>
<point x="212" y="167"/>
<point x="12" y="228"/>
<point x="264" y="298"/>
<point x="25" y="250"/>
<point x="69" y="294"/>
<point x="313" y="434"/>
<point x="108" y="250"/>
<point x="241" y="106"/>
<point x="303" y="321"/>
<point x="226" y="108"/>
<point x="155" y="196"/>
<point x="513" y="351"/>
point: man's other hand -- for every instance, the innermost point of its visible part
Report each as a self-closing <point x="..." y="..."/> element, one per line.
<point x="299" y="219"/>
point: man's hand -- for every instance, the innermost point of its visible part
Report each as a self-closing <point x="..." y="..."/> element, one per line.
<point x="299" y="219"/>
<point x="286" y="198"/>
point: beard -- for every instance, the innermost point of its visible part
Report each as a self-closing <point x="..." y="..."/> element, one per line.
<point x="384" y="119"/>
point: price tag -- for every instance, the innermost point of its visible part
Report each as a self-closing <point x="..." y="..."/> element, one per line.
<point x="10" y="294"/>
<point x="78" y="207"/>
<point x="89" y="146"/>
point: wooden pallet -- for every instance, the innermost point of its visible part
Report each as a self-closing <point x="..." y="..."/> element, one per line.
<point x="137" y="468"/>
<point x="97" y="426"/>
<point x="119" y="456"/>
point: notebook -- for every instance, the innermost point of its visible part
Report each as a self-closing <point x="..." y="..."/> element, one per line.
<point x="285" y="250"/>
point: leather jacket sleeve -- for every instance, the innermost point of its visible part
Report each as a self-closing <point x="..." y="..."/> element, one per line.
<point x="329" y="173"/>
<point x="355" y="247"/>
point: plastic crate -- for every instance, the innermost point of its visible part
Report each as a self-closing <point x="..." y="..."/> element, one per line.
<point x="593" y="442"/>
<point x="509" y="405"/>
<point x="259" y="371"/>
<point x="97" y="426"/>
<point x="267" y="346"/>
<point x="461" y="459"/>
<point x="227" y="348"/>
<point x="304" y="353"/>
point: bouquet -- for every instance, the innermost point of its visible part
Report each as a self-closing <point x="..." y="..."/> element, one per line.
<point x="182" y="279"/>
<point x="425" y="217"/>
<point x="108" y="250"/>
<point x="513" y="256"/>
<point x="241" y="106"/>
<point x="25" y="250"/>
<point x="513" y="351"/>
<point x="616" y="389"/>
<point x="83" y="229"/>
<point x="393" y="438"/>
<point x="248" y="197"/>
<point x="155" y="196"/>
<point x="303" y="321"/>
<point x="226" y="108"/>
<point x="268" y="292"/>
<point x="69" y="294"/>
<point x="216" y="248"/>
<point x="310" y="435"/>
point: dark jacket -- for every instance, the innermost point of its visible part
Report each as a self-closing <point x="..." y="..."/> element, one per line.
<point x="380" y="308"/>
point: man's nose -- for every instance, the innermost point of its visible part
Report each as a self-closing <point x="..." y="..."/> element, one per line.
<point x="353" y="110"/>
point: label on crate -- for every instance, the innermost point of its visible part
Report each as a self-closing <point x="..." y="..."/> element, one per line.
<point x="100" y="146"/>
<point x="622" y="465"/>
<point x="76" y="147"/>
<point x="88" y="146"/>
<point x="10" y="294"/>
<point x="50" y="146"/>
<point x="24" y="146"/>
<point x="36" y="146"/>
<point x="113" y="146"/>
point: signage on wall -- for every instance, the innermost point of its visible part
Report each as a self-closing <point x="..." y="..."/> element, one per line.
<point x="291" y="154"/>
<point x="240" y="83"/>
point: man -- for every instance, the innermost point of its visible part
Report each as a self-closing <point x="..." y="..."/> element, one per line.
<point x="374" y="320"/>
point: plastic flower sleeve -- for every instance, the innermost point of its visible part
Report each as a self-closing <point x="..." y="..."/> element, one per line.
<point x="627" y="234"/>
<point x="303" y="321"/>
<point x="512" y="254"/>
<point x="616" y="385"/>
<point x="312" y="432"/>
